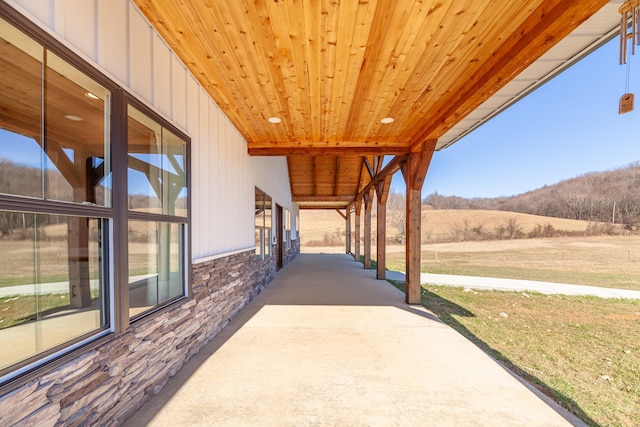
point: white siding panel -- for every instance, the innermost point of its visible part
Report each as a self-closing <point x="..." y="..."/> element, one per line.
<point x="122" y="43"/>
<point x="113" y="34"/>
<point x="193" y="116"/>
<point x="161" y="76"/>
<point x="217" y="181"/>
<point x="43" y="10"/>
<point x="140" y="52"/>
<point x="201" y="214"/>
<point x="178" y="92"/>
<point x="80" y="25"/>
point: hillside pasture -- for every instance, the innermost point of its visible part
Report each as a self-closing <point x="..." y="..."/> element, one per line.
<point x="327" y="227"/>
<point x="608" y="260"/>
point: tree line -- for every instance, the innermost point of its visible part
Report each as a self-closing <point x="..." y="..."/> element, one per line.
<point x="611" y="196"/>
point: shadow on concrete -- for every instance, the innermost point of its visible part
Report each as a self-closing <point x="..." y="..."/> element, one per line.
<point x="445" y="310"/>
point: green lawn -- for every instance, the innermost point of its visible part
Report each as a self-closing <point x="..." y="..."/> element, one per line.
<point x="584" y="352"/>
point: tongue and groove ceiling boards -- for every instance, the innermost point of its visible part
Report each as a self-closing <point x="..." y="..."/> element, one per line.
<point x="332" y="69"/>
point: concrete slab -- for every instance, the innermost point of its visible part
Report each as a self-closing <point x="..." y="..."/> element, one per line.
<point x="327" y="344"/>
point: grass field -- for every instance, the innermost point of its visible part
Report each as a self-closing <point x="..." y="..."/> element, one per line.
<point x="318" y="226"/>
<point x="584" y="352"/>
<point x="607" y="261"/>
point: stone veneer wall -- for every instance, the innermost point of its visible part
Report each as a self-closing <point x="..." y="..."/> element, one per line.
<point x="109" y="383"/>
<point x="292" y="252"/>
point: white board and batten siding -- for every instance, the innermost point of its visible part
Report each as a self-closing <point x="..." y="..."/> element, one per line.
<point x="118" y="40"/>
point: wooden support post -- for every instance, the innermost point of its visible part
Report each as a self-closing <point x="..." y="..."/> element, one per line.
<point x="368" y="207"/>
<point x="382" y="193"/>
<point x="78" y="240"/>
<point x="348" y="230"/>
<point x="357" y="235"/>
<point x="414" y="171"/>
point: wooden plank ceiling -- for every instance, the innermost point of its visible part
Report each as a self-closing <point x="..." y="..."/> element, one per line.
<point x="331" y="70"/>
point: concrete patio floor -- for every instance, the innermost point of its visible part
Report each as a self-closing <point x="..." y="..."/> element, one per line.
<point x="326" y="344"/>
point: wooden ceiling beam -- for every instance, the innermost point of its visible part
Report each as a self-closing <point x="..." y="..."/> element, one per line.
<point x="370" y="168"/>
<point x="392" y="167"/>
<point x="337" y="183"/>
<point x="303" y="199"/>
<point x="343" y="215"/>
<point x="328" y="150"/>
<point x="314" y="172"/>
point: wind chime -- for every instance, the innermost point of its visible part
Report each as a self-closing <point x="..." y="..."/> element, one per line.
<point x="629" y="35"/>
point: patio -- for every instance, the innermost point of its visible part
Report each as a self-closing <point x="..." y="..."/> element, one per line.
<point x="328" y="344"/>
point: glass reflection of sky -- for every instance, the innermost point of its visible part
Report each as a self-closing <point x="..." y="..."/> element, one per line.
<point x="19" y="149"/>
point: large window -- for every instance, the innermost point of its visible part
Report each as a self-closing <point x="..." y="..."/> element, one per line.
<point x="93" y="204"/>
<point x="263" y="224"/>
<point x="55" y="202"/>
<point x="157" y="200"/>
<point x="287" y="228"/>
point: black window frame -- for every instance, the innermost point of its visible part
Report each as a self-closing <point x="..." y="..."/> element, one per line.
<point x="115" y="247"/>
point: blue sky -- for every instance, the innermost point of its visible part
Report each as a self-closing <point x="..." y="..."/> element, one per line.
<point x="568" y="127"/>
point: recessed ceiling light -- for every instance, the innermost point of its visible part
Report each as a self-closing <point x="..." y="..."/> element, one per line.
<point x="387" y="120"/>
<point x="91" y="95"/>
<point x="274" y="120"/>
<point x="74" y="118"/>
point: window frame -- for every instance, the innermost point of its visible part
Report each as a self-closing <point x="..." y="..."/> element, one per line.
<point x="263" y="251"/>
<point x="18" y="373"/>
<point x="116" y="215"/>
<point x="123" y="313"/>
<point x="287" y="228"/>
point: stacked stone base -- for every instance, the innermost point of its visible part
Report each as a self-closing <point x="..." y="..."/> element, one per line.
<point x="107" y="384"/>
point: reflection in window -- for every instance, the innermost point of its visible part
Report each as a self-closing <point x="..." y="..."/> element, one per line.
<point x="52" y="281"/>
<point x="262" y="224"/>
<point x="155" y="264"/>
<point x="73" y="162"/>
<point x="157" y="173"/>
<point x="287" y="228"/>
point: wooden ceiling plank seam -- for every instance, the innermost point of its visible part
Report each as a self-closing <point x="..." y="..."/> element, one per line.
<point x="403" y="85"/>
<point x="329" y="40"/>
<point x="353" y="30"/>
<point x="267" y="43"/>
<point x="342" y="44"/>
<point x="492" y="53"/>
<point x="417" y="84"/>
<point x="313" y="51"/>
<point x="298" y="45"/>
<point x="529" y="42"/>
<point x="209" y="39"/>
<point x="191" y="48"/>
<point x="375" y="101"/>
<point x="459" y="71"/>
<point x="452" y="34"/>
<point x="369" y="54"/>
<point x="282" y="36"/>
<point x="242" y="43"/>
